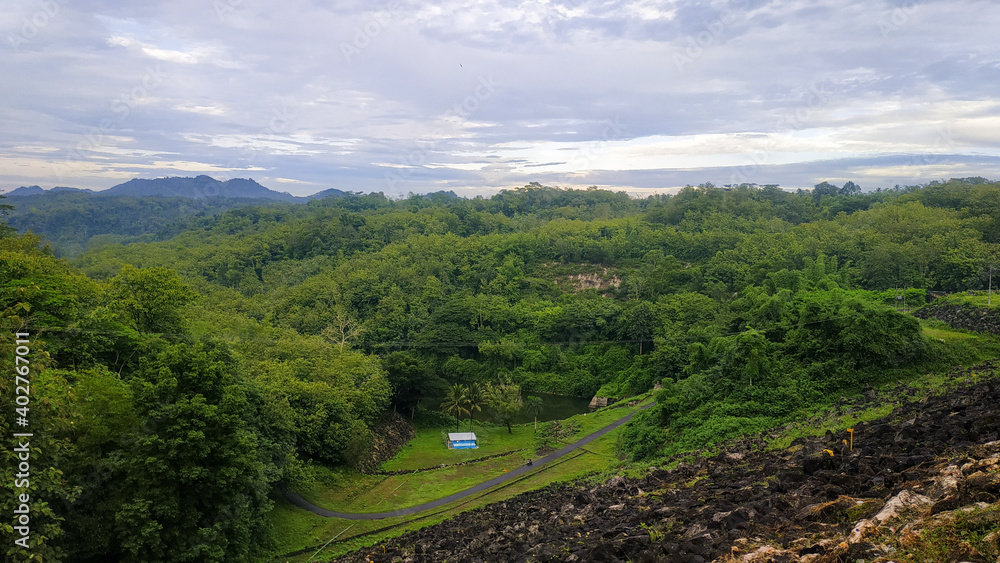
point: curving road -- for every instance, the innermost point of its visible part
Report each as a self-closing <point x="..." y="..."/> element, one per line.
<point x="300" y="502"/>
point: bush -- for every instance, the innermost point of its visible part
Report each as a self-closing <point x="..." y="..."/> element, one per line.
<point x="642" y="438"/>
<point x="553" y="435"/>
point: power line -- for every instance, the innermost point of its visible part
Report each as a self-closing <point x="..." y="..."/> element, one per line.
<point x="233" y="337"/>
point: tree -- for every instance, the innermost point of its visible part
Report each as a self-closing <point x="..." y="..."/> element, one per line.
<point x="151" y="298"/>
<point x="5" y="229"/>
<point x="104" y="425"/>
<point x="637" y="322"/>
<point x="824" y="188"/>
<point x="850" y="188"/>
<point x="51" y="449"/>
<point x="412" y="379"/>
<point x="745" y="356"/>
<point x="343" y="328"/>
<point x="454" y="402"/>
<point x="504" y="399"/>
<point x="474" y="400"/>
<point x="196" y="486"/>
<point x="533" y="406"/>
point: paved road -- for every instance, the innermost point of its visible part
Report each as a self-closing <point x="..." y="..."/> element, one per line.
<point x="300" y="502"/>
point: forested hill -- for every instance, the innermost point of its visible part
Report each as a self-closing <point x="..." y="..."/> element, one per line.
<point x="73" y="219"/>
<point x="198" y="371"/>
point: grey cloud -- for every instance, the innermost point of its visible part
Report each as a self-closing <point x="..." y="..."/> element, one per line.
<point x="562" y="73"/>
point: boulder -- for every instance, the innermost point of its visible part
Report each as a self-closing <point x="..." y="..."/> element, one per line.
<point x="904" y="500"/>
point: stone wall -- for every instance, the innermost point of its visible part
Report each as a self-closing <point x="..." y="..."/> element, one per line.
<point x="965" y="317"/>
<point x="388" y="436"/>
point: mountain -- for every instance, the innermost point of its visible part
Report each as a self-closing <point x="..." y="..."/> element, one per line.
<point x="198" y="187"/>
<point x="65" y="189"/>
<point x="26" y="190"/>
<point x="332" y="192"/>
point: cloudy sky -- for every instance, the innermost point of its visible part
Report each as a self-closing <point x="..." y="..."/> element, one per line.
<point x="474" y="96"/>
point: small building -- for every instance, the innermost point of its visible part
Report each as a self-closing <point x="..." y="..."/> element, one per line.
<point x="462" y="441"/>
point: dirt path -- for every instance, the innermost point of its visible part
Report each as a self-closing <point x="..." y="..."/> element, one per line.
<point x="300" y="502"/>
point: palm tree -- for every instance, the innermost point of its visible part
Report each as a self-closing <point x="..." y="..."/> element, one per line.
<point x="533" y="406"/>
<point x="474" y="399"/>
<point x="455" y="401"/>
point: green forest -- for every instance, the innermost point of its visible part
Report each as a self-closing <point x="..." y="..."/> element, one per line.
<point x="190" y="361"/>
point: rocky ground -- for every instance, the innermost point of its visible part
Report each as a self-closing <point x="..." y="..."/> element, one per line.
<point x="920" y="485"/>
<point x="388" y="436"/>
<point x="964" y="317"/>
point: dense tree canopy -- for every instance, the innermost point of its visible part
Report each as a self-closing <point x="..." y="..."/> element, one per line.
<point x="231" y="346"/>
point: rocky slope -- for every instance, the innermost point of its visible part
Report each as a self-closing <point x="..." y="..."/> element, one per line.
<point x="388" y="436"/>
<point x="965" y="317"/>
<point x="920" y="485"/>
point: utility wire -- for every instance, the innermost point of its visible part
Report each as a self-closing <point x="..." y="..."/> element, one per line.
<point x="231" y="337"/>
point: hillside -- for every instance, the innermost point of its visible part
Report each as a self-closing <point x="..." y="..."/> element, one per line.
<point x="73" y="220"/>
<point x="199" y="187"/>
<point x="921" y="484"/>
<point x="242" y="350"/>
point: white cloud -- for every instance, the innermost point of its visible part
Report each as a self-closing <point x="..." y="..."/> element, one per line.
<point x="792" y="89"/>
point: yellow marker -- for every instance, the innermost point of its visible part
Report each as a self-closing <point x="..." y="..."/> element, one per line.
<point x="829" y="452"/>
<point x="851" y="432"/>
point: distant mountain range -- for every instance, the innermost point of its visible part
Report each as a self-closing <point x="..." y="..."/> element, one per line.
<point x="37" y="190"/>
<point x="198" y="187"/>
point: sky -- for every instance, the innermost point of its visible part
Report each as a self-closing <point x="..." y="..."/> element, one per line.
<point x="404" y="96"/>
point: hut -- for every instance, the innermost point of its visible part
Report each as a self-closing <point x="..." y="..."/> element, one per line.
<point x="462" y="441"/>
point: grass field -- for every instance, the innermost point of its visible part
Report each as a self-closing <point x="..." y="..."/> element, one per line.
<point x="353" y="492"/>
<point x="350" y="491"/>
<point x="298" y="528"/>
<point x="978" y="298"/>
<point x="347" y="490"/>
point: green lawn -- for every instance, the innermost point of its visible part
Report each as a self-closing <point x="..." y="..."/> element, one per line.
<point x="350" y="491"/>
<point x="428" y="448"/>
<point x="980" y="298"/>
<point x="946" y="334"/>
<point x="302" y="529"/>
<point x="347" y="490"/>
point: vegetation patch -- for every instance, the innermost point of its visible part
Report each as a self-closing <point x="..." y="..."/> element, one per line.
<point x="212" y="359"/>
<point x="553" y="435"/>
